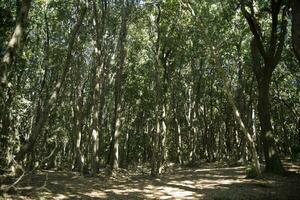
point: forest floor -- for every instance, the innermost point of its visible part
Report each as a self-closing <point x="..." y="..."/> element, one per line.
<point x="209" y="181"/>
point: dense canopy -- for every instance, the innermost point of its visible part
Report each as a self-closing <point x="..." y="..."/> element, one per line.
<point x="88" y="85"/>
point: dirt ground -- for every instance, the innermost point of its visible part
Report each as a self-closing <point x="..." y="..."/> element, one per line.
<point x="209" y="181"/>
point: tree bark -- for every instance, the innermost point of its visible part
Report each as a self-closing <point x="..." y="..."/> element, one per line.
<point x="273" y="163"/>
<point x="296" y="27"/>
<point x="97" y="106"/>
<point x="78" y="121"/>
<point x="263" y="77"/>
<point x="177" y="127"/>
<point x="118" y="86"/>
<point x="155" y="147"/>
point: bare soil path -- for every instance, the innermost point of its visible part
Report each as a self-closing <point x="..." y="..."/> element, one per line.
<point x="210" y="181"/>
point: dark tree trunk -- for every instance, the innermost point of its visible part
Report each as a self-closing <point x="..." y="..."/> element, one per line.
<point x="296" y="27"/>
<point x="263" y="77"/>
<point x="270" y="54"/>
<point x="273" y="163"/>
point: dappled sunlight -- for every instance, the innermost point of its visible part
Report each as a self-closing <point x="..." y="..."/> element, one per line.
<point x="221" y="168"/>
<point x="96" y="193"/>
<point x="175" y="193"/>
<point x="180" y="183"/>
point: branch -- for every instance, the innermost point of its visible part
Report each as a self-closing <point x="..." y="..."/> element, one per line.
<point x="275" y="7"/>
<point x="281" y="37"/>
<point x="253" y="27"/>
<point x="7" y="188"/>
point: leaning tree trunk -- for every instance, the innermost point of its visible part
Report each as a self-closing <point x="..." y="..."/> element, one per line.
<point x="296" y="27"/>
<point x="251" y="142"/>
<point x="44" y="114"/>
<point x="239" y="120"/>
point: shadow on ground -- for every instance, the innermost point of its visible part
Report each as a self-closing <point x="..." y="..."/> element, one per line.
<point x="210" y="181"/>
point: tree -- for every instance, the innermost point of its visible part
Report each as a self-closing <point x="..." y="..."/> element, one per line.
<point x="271" y="56"/>
<point x="119" y="81"/>
<point x="147" y="83"/>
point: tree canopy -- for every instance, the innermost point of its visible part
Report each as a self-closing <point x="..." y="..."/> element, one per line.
<point x="89" y="84"/>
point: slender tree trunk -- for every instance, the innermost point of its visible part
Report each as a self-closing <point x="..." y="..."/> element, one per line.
<point x="239" y="120"/>
<point x="177" y="127"/>
<point x="78" y="122"/>
<point x="155" y="146"/>
<point x="126" y="152"/>
<point x="163" y="139"/>
<point x="240" y="100"/>
<point x="118" y="85"/>
<point x="95" y="128"/>
<point x="255" y="161"/>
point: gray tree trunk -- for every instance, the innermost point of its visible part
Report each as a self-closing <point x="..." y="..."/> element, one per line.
<point x="118" y="86"/>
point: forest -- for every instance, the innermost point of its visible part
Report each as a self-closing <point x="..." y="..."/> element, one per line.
<point x="150" y="99"/>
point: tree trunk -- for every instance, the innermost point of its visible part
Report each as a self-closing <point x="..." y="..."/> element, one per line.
<point x="271" y="55"/>
<point x="263" y="78"/>
<point x="118" y="86"/>
<point x="163" y="140"/>
<point x="296" y="27"/>
<point x="78" y="122"/>
<point x="155" y="147"/>
<point x="95" y="94"/>
<point x="273" y="163"/>
<point x="177" y="127"/>
<point x="255" y="161"/>
<point x="239" y="120"/>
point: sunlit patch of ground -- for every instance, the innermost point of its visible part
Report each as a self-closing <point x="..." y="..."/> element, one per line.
<point x="208" y="181"/>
